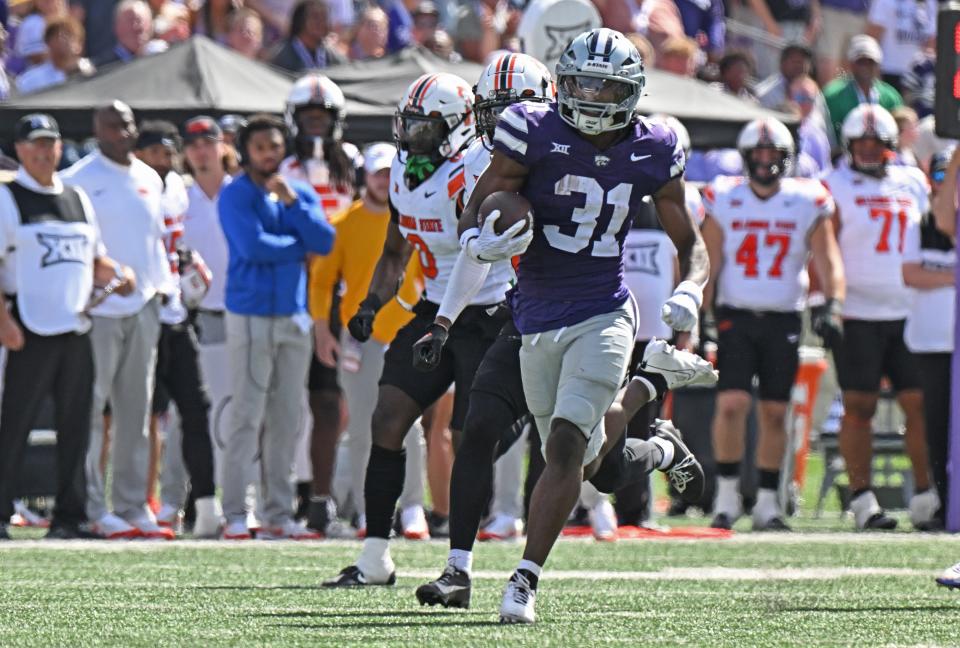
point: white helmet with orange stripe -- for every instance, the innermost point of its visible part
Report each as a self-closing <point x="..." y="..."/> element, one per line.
<point x="877" y="129"/>
<point x="508" y="79"/>
<point x="316" y="90"/>
<point x="435" y="117"/>
<point x="767" y="148"/>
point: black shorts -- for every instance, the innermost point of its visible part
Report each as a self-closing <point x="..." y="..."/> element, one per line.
<point x="322" y="377"/>
<point x="761" y="344"/>
<point x="470" y="337"/>
<point x="871" y="350"/>
<point x="499" y="372"/>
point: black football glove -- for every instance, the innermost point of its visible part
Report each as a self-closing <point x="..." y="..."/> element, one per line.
<point x="827" y="322"/>
<point x="428" y="350"/>
<point x="361" y="324"/>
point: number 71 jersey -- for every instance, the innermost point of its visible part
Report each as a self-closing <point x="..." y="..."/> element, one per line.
<point x="765" y="242"/>
<point x="428" y="220"/>
<point x="874" y="216"/>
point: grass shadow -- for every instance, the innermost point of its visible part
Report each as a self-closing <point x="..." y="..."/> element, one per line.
<point x="319" y="614"/>
<point x="875" y="608"/>
<point x="372" y="625"/>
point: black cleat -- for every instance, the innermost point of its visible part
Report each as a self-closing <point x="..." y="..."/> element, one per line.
<point x="880" y="521"/>
<point x="721" y="521"/>
<point x="452" y="589"/>
<point x="773" y="524"/>
<point x="685" y="473"/>
<point x="71" y="532"/>
<point x="353" y="577"/>
<point x="4" y="534"/>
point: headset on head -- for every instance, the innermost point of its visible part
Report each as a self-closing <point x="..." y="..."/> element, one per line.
<point x="243" y="134"/>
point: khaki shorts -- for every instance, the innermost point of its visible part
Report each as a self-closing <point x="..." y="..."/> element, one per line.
<point x="839" y="27"/>
<point x="575" y="372"/>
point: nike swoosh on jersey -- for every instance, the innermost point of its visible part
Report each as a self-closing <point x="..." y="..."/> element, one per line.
<point x="637" y="158"/>
<point x="428" y="194"/>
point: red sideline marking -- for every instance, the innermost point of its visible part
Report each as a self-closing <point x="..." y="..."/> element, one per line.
<point x="640" y="533"/>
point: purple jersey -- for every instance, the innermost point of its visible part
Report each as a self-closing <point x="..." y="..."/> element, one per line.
<point x="584" y="200"/>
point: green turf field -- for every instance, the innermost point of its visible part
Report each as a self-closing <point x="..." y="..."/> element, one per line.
<point x="804" y="589"/>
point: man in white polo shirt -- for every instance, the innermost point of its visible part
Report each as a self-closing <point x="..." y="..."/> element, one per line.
<point x="126" y="196"/>
<point x="50" y="257"/>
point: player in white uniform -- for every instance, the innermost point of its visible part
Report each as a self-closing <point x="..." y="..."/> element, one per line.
<point x="760" y="233"/>
<point x="315" y="113"/>
<point x="434" y="125"/>
<point x="876" y="203"/>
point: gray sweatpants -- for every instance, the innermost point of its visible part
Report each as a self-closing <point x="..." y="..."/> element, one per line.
<point x="125" y="357"/>
<point x="268" y="360"/>
<point x="360" y="388"/>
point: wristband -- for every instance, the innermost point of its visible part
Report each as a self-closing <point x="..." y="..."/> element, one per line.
<point x="467" y="236"/>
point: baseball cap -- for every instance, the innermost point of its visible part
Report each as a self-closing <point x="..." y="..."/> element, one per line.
<point x="232" y="123"/>
<point x="36" y="126"/>
<point x="864" y="47"/>
<point x="378" y="156"/>
<point x="202" y="127"/>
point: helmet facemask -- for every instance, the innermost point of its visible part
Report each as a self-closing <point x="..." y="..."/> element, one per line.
<point x="768" y="171"/>
<point x="594" y="104"/>
<point x="872" y="161"/>
<point x="315" y="124"/>
<point x="488" y="110"/>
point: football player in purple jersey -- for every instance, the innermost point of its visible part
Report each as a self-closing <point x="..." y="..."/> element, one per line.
<point x="584" y="162"/>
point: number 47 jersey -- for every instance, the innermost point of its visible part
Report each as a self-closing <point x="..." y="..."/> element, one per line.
<point x="584" y="200"/>
<point x="765" y="242"/>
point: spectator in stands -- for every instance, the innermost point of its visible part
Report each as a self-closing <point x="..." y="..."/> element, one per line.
<point x="903" y="28"/>
<point x="4" y="79"/>
<point x="28" y="47"/>
<point x="796" y="61"/>
<point x="171" y="22"/>
<point x="736" y="67"/>
<point x="442" y="45"/>
<point x="479" y="26"/>
<point x="126" y="195"/>
<point x="230" y="125"/>
<point x="133" y="25"/>
<point x="64" y="40"/>
<point x="645" y="48"/>
<point x="863" y="85"/>
<point x="842" y="20"/>
<point x="907" y="121"/>
<point x="370" y="40"/>
<point x="918" y="83"/>
<point x="426" y="22"/>
<point x="305" y="48"/>
<point x="813" y="140"/>
<point x="270" y="226"/>
<point x="791" y="20"/>
<point x="678" y="55"/>
<point x="929" y="260"/>
<point x="659" y="21"/>
<point x="211" y="18"/>
<point x="245" y="35"/>
<point x="704" y="22"/>
<point x="278" y="17"/>
<point x="46" y="336"/>
<point x="400" y="15"/>
<point x="97" y="17"/>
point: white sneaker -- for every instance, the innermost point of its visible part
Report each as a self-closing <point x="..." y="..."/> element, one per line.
<point x="148" y="528"/>
<point x="502" y="527"/>
<point x="413" y="521"/>
<point x="24" y="517"/>
<point x="289" y="530"/>
<point x="923" y="508"/>
<point x="950" y="577"/>
<point x="209" y="518"/>
<point x="678" y="368"/>
<point x="236" y="530"/>
<point x="253" y="524"/>
<point x="603" y="520"/>
<point x="518" y="601"/>
<point x="112" y="527"/>
<point x="171" y="517"/>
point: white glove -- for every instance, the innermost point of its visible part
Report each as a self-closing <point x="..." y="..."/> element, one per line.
<point x="486" y="246"/>
<point x="681" y="311"/>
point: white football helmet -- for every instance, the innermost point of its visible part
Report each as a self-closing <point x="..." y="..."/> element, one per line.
<point x="548" y="26"/>
<point x="508" y="79"/>
<point x="683" y="136"/>
<point x="435" y="116"/>
<point x="870" y="121"/>
<point x="599" y="81"/>
<point x="315" y="89"/>
<point x="766" y="133"/>
<point x="195" y="278"/>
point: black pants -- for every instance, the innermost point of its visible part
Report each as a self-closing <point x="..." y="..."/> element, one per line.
<point x="178" y="375"/>
<point x="935" y="382"/>
<point x="61" y="365"/>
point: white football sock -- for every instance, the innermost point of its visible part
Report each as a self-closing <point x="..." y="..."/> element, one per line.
<point x="728" y="496"/>
<point x="767" y="506"/>
<point x="461" y="559"/>
<point x="666" y="448"/>
<point x="374" y="560"/>
<point x="530" y="566"/>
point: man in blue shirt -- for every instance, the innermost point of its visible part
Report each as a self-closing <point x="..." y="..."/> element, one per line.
<point x="270" y="226"/>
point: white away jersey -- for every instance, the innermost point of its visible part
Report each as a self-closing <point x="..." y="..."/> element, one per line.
<point x="874" y="216"/>
<point x="174" y="203"/>
<point x="475" y="162"/>
<point x="428" y="220"/>
<point x="765" y="242"/>
<point x="316" y="173"/>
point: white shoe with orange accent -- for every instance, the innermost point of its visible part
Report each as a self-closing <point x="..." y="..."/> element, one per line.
<point x="289" y="530"/>
<point x="170" y="517"/>
<point x="209" y="518"/>
<point x="24" y="517"/>
<point x="603" y="520"/>
<point x="413" y="521"/>
<point x="112" y="527"/>
<point x="236" y="530"/>
<point x="502" y="527"/>
<point x="147" y="527"/>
